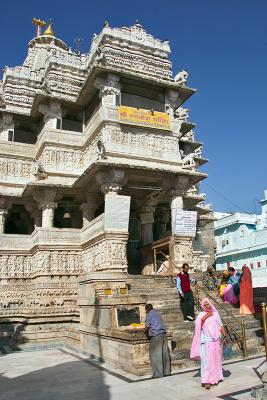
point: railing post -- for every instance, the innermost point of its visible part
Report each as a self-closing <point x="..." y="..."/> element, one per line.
<point x="197" y="295"/>
<point x="244" y="339"/>
<point x="264" y="323"/>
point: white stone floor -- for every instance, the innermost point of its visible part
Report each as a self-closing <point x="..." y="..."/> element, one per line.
<point x="60" y="375"/>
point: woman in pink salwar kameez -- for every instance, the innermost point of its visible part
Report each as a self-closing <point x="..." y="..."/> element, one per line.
<point x="207" y="344"/>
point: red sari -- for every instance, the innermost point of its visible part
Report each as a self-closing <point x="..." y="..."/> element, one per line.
<point x="246" y="292"/>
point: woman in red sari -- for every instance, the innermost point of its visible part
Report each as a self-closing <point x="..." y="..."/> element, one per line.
<point x="246" y="292"/>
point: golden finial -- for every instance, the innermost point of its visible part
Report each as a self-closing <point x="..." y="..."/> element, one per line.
<point x="39" y="23"/>
<point x="49" y="30"/>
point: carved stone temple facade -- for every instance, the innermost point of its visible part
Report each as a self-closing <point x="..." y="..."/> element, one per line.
<point x="97" y="154"/>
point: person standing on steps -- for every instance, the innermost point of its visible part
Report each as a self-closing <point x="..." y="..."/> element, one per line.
<point x="208" y="340"/>
<point x="158" y="344"/>
<point x="186" y="295"/>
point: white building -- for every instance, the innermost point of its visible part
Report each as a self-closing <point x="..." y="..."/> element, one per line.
<point x="242" y="239"/>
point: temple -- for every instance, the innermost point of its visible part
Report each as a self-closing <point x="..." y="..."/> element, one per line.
<point x="98" y="161"/>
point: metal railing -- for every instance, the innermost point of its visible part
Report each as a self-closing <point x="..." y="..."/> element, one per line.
<point x="236" y="337"/>
<point x="264" y="323"/>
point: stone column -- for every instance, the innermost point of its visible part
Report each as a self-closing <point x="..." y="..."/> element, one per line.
<point x="147" y="221"/>
<point x="111" y="182"/>
<point x="88" y="208"/>
<point x="52" y="112"/>
<point x="3" y="214"/>
<point x="109" y="90"/>
<point x="180" y="186"/>
<point x="35" y="213"/>
<point x="48" y="214"/>
<point x="6" y="125"/>
<point x="46" y="200"/>
<point x="177" y="202"/>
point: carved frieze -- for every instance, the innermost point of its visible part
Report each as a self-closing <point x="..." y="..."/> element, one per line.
<point x="137" y="138"/>
<point x="105" y="256"/>
<point x="61" y="159"/>
<point x="12" y="167"/>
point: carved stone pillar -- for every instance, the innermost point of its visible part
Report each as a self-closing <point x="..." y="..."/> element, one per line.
<point x="48" y="214"/>
<point x="6" y="126"/>
<point x="46" y="201"/>
<point x="109" y="90"/>
<point x="88" y="208"/>
<point x="111" y="182"/>
<point x="147" y="221"/>
<point x="52" y="112"/>
<point x="3" y="214"/>
<point x="172" y="101"/>
<point x="35" y="213"/>
<point x="176" y="197"/>
<point x="177" y="202"/>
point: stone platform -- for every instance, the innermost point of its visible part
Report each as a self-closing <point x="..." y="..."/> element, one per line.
<point x="58" y="375"/>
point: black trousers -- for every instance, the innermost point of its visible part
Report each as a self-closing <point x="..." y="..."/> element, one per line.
<point x="187" y="305"/>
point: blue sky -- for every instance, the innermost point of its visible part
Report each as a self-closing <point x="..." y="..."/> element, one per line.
<point x="223" y="45"/>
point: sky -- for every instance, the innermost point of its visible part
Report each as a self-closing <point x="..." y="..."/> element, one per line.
<point x="223" y="46"/>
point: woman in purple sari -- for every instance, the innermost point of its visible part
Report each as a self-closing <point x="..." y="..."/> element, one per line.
<point x="207" y="344"/>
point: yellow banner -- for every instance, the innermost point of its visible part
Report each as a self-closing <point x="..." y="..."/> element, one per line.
<point x="135" y="116"/>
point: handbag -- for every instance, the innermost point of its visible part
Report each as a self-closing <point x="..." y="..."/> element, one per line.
<point x="227" y="349"/>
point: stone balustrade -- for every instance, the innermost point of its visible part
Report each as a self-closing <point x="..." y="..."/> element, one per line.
<point x="48" y="250"/>
<point x="93" y="229"/>
<point x="62" y="152"/>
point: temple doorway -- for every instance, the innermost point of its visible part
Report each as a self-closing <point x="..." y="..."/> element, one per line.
<point x="19" y="221"/>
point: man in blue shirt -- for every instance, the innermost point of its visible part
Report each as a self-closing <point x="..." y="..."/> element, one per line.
<point x="158" y="345"/>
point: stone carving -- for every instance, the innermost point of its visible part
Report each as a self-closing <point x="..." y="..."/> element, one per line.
<point x="15" y="265"/>
<point x="181" y="77"/>
<point x="38" y="169"/>
<point x="6" y="120"/>
<point x="182" y="114"/>
<point x="183" y="252"/>
<point x="105" y="256"/>
<point x="188" y="161"/>
<point x="198" y="152"/>
<point x="189" y="136"/>
<point x="137" y="138"/>
<point x="64" y="160"/>
<point x="11" y="167"/>
<point x="102" y="150"/>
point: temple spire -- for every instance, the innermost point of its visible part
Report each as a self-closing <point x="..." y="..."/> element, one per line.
<point x="39" y="23"/>
<point x="49" y="30"/>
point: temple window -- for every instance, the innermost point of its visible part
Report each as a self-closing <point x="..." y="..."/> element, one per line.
<point x="72" y="120"/>
<point x="25" y="130"/>
<point x="19" y="221"/>
<point x="68" y="214"/>
<point x="142" y="97"/>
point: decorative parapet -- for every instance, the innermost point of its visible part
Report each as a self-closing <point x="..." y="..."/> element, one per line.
<point x="63" y="251"/>
<point x="13" y="168"/>
<point x="75" y="154"/>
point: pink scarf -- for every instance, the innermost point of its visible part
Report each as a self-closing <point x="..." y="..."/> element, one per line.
<point x="211" y="328"/>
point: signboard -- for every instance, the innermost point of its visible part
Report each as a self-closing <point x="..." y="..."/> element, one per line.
<point x="117" y="210"/>
<point x="185" y="223"/>
<point x="149" y="119"/>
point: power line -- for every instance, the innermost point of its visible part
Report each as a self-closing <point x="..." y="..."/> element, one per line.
<point x="226" y="198"/>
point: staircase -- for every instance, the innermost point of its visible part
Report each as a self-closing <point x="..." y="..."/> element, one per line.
<point x="162" y="293"/>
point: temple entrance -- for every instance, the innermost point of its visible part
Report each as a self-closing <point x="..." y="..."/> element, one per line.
<point x="19" y="221"/>
<point x="144" y="232"/>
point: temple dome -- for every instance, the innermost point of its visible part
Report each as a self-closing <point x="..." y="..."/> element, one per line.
<point x="48" y="37"/>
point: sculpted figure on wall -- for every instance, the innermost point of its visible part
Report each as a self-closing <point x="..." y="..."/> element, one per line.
<point x="38" y="169"/>
<point x="181" y="77"/>
<point x="182" y="114"/>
